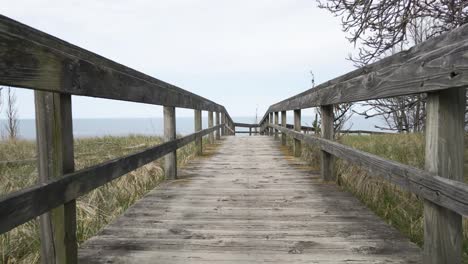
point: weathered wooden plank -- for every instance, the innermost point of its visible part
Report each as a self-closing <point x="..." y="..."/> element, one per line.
<point x="226" y="209"/>
<point x="218" y="131"/>
<point x="276" y="123"/>
<point x="327" y="167"/>
<point x="56" y="158"/>
<point x="211" y="136"/>
<point x="447" y="193"/>
<point x="297" y="127"/>
<point x="283" y="124"/>
<point x="22" y="206"/>
<point x="198" y="127"/>
<point x="436" y="64"/>
<point x="246" y="125"/>
<point x="170" y="160"/>
<point x="445" y="132"/>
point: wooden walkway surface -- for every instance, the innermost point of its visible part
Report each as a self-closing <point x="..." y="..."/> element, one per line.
<point x="248" y="203"/>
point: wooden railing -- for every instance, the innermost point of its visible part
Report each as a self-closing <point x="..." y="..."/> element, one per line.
<point x="57" y="70"/>
<point x="253" y="128"/>
<point x="438" y="67"/>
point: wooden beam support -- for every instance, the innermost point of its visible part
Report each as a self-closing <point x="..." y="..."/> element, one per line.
<point x="223" y="122"/>
<point x="198" y="127"/>
<point x="54" y="129"/>
<point x="170" y="160"/>
<point x="297" y="127"/>
<point x="210" y="125"/>
<point x="276" y="123"/>
<point x="218" y="131"/>
<point x="283" y="124"/>
<point x="327" y="160"/>
<point x="443" y="234"/>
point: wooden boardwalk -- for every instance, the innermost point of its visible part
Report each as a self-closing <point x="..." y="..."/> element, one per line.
<point x="248" y="203"/>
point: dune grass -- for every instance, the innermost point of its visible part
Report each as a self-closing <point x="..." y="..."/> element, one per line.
<point x="95" y="209"/>
<point x="401" y="209"/>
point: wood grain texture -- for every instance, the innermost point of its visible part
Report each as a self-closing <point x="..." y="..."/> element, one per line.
<point x="170" y="160"/>
<point x="276" y="114"/>
<point x="218" y="122"/>
<point x="439" y="190"/>
<point x="22" y="206"/>
<point x="297" y="127"/>
<point x="327" y="164"/>
<point x="198" y="127"/>
<point x="248" y="203"/>
<point x="56" y="158"/>
<point x="211" y="137"/>
<point x="283" y="124"/>
<point x="445" y="132"/>
<point x="436" y="64"/>
<point x="33" y="59"/>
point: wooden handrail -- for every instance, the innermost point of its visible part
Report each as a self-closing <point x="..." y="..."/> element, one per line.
<point x="33" y="59"/>
<point x="19" y="207"/>
<point x="442" y="191"/>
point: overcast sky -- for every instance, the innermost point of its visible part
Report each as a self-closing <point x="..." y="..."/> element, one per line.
<point x="242" y="54"/>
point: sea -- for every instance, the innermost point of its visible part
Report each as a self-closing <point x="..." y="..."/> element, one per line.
<point x="98" y="127"/>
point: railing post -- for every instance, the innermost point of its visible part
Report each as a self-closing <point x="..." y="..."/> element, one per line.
<point x="276" y="123"/>
<point x="210" y="125"/>
<point x="327" y="166"/>
<point x="297" y="127"/>
<point x="218" y="131"/>
<point x="283" y="124"/>
<point x="443" y="235"/>
<point x="170" y="160"/>
<point x="271" y="122"/>
<point x="223" y="121"/>
<point x="54" y="132"/>
<point x="198" y="127"/>
<point x="250" y="131"/>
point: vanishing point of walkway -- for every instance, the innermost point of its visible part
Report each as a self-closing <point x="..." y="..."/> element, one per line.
<point x="248" y="203"/>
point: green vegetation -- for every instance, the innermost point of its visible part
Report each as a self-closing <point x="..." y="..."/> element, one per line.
<point x="94" y="210"/>
<point x="399" y="208"/>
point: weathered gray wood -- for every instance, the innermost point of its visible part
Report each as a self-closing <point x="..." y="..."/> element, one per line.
<point x="170" y="160"/>
<point x="198" y="127"/>
<point x="55" y="158"/>
<point x="250" y="131"/>
<point x="283" y="124"/>
<point x="223" y="122"/>
<point x="211" y="137"/>
<point x="19" y="207"/>
<point x="246" y="125"/>
<point x="327" y="163"/>
<point x="445" y="123"/>
<point x="442" y="191"/>
<point x="33" y="59"/>
<point x="276" y="123"/>
<point x="246" y="203"/>
<point x="297" y="127"/>
<point x="218" y="131"/>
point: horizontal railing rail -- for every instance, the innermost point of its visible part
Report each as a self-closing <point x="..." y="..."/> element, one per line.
<point x="33" y="59"/>
<point x="19" y="207"/>
<point x="442" y="191"/>
<point x="246" y="125"/>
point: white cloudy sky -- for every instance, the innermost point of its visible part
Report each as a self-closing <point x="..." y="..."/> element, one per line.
<point x="243" y="54"/>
